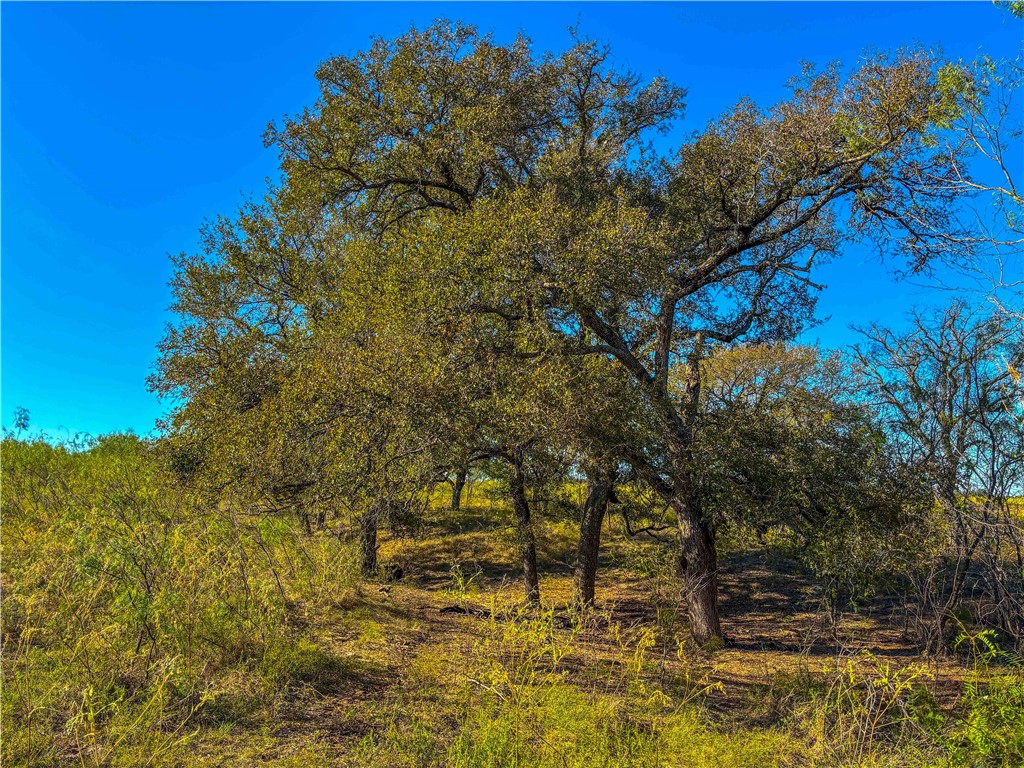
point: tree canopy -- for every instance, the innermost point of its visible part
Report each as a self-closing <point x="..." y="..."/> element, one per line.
<point x="475" y="247"/>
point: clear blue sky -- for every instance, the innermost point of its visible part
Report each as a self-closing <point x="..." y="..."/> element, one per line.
<point x="124" y="126"/>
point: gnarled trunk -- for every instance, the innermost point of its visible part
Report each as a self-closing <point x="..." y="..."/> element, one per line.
<point x="457" y="486"/>
<point x="368" y="541"/>
<point x="697" y="558"/>
<point x="524" y="532"/>
<point x="594" y="509"/>
<point x="699" y="566"/>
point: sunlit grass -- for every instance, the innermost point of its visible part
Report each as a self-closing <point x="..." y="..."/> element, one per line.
<point x="144" y="628"/>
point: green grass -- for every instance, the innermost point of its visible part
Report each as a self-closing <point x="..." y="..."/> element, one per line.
<point x="142" y="626"/>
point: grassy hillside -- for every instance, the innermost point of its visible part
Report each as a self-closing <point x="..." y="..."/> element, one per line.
<point x="145" y="626"/>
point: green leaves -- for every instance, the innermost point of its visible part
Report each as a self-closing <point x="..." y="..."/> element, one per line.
<point x="472" y="252"/>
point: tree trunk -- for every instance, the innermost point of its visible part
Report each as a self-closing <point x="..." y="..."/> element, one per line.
<point x="697" y="558"/>
<point x="594" y="509"/>
<point x="699" y="566"/>
<point x="524" y="530"/>
<point x="368" y="542"/>
<point x="457" y="486"/>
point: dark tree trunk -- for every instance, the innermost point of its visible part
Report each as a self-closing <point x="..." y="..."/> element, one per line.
<point x="697" y="558"/>
<point x="699" y="565"/>
<point x="594" y="510"/>
<point x="524" y="531"/>
<point x="457" y="486"/>
<point x="368" y="542"/>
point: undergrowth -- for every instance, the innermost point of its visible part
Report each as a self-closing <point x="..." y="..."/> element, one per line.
<point x="143" y="626"/>
<point x="133" y="613"/>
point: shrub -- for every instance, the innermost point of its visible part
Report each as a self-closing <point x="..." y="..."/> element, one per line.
<point x="991" y="731"/>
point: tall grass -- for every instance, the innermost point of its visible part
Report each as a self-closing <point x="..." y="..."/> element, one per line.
<point x="533" y="696"/>
<point x="139" y="618"/>
<point x="129" y="605"/>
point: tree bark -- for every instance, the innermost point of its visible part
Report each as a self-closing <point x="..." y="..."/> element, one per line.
<point x="965" y="542"/>
<point x="368" y="542"/>
<point x="697" y="559"/>
<point x="524" y="531"/>
<point x="457" y="486"/>
<point x="699" y="566"/>
<point x="594" y="509"/>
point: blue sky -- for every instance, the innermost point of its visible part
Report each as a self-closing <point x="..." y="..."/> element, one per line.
<point x="125" y="125"/>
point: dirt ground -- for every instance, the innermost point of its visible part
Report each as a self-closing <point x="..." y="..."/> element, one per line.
<point x="403" y="643"/>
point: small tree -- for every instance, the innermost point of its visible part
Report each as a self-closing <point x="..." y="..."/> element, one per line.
<point x="787" y="441"/>
<point x="952" y="404"/>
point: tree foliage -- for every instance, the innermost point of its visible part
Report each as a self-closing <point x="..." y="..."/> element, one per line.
<point x="476" y="222"/>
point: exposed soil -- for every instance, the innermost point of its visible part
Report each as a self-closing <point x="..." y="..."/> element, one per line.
<point x="771" y="613"/>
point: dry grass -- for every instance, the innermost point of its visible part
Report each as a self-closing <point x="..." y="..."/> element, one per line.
<point x="398" y="674"/>
<point x="406" y="658"/>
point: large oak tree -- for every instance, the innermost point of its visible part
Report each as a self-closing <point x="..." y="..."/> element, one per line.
<point x="511" y="196"/>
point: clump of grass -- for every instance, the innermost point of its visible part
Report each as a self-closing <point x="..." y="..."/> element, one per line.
<point x="871" y="710"/>
<point x="785" y="692"/>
